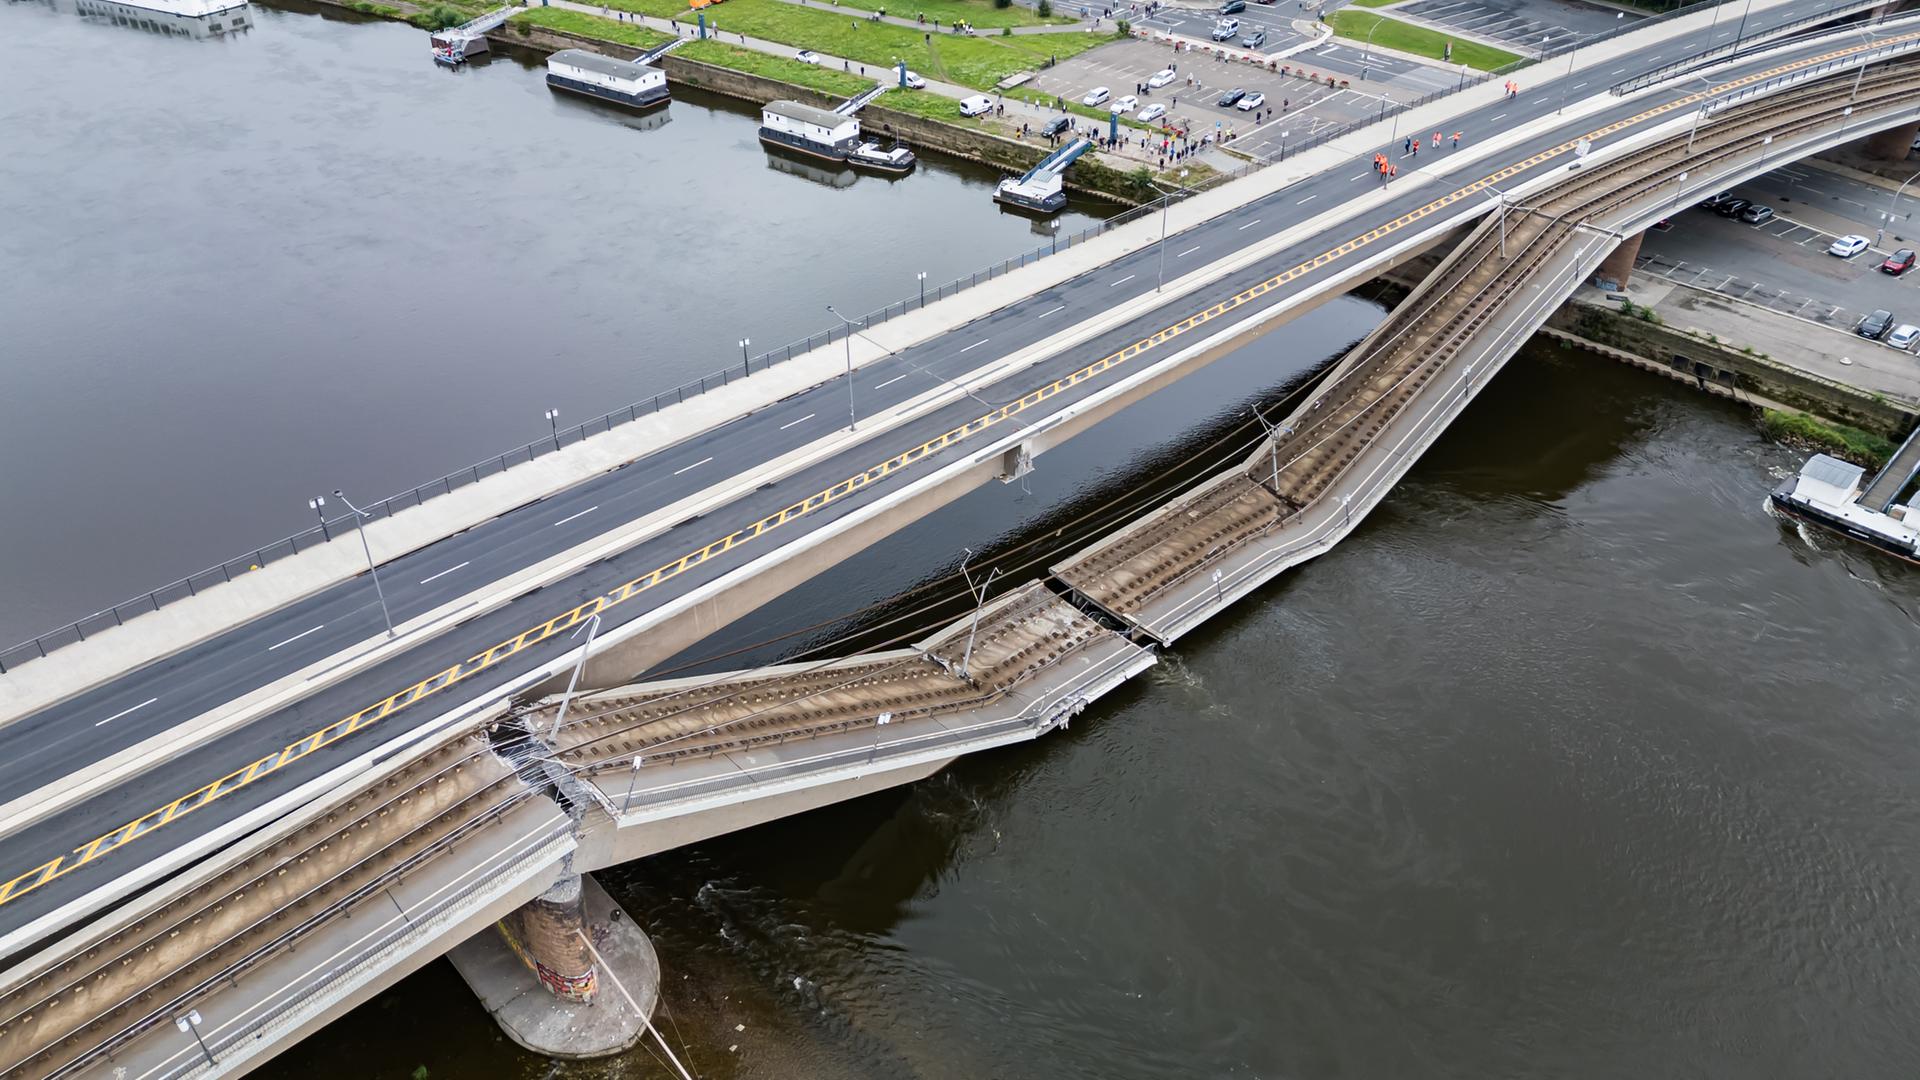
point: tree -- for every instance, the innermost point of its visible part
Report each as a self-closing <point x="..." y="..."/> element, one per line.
<point x="1045" y="8"/>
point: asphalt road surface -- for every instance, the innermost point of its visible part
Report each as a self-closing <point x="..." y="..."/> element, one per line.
<point x="156" y="698"/>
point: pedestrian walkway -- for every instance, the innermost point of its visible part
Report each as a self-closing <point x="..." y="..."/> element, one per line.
<point x="864" y="15"/>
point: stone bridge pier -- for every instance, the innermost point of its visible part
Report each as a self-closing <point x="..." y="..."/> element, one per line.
<point x="1617" y="269"/>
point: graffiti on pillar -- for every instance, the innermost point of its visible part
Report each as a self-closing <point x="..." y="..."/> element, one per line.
<point x="581" y="987"/>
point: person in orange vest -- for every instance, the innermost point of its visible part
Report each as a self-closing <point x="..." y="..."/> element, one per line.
<point x="1436" y="140"/>
<point x="1456" y="140"/>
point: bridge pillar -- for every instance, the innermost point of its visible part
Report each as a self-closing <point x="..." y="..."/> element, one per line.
<point x="545" y="934"/>
<point x="1892" y="144"/>
<point x="1618" y="267"/>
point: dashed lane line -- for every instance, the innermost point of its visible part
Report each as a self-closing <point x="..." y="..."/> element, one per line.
<point x="123" y="712"/>
<point x="297" y="637"/>
<point x="67" y="862"/>
<point x="443" y="573"/>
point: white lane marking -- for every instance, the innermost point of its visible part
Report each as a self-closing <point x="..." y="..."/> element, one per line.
<point x="1188" y="252"/>
<point x="979" y="343"/>
<point x="1355" y="176"/>
<point x="883" y="385"/>
<point x="807" y="417"/>
<point x="1308" y="199"/>
<point x="591" y="509"/>
<point x="1578" y="85"/>
<point x="124" y="712"/>
<point x="443" y="573"/>
<point x="1249" y="225"/>
<point x="296" y="637"/>
<point x="1502" y="116"/>
<point x="1617" y="71"/>
<point x="1122" y="281"/>
<point x="1055" y="311"/>
<point x="677" y="472"/>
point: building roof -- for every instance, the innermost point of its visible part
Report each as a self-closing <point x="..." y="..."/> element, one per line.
<point x="599" y="65"/>
<point x="1831" y="470"/>
<point x="806" y="114"/>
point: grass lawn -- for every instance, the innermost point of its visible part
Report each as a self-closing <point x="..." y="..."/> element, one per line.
<point x="977" y="61"/>
<point x="660" y="9"/>
<point x="980" y="13"/>
<point x="829" y="81"/>
<point x="1406" y="37"/>
<point x="930" y="105"/>
<point x="1370" y="3"/>
<point x="593" y="26"/>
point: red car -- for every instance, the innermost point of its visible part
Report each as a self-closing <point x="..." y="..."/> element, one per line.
<point x="1898" y="263"/>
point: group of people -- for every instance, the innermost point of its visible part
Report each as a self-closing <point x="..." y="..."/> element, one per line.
<point x="1513" y="89"/>
<point x="1387" y="170"/>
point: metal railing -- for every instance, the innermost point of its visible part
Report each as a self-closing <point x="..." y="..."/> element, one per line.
<point x="76" y="631"/>
<point x="41" y="645"/>
<point x="1739" y="47"/>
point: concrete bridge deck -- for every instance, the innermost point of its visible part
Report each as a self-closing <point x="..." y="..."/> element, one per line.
<point x="1287" y="268"/>
<point x="936" y="422"/>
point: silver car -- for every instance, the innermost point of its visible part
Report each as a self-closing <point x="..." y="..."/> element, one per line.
<point x="1904" y="336"/>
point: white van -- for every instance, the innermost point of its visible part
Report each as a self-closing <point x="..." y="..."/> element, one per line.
<point x="977" y="105"/>
<point x="1097" y="96"/>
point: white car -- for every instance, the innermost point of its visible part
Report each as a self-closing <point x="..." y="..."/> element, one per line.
<point x="1096" y="96"/>
<point x="1251" y="102"/>
<point x="1848" y="246"/>
<point x="1904" y="336"/>
<point x="1161" y="78"/>
<point x="807" y="56"/>
<point x="1153" y="112"/>
<point x="977" y="105"/>
<point x="915" y="82"/>
<point x="1126" y="104"/>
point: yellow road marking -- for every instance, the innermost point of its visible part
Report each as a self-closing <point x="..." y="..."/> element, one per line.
<point x="481" y="661"/>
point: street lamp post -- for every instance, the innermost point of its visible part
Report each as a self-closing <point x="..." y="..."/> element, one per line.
<point x="1366" y="51"/>
<point x="745" y="361"/>
<point x="191" y="1023"/>
<point x="1566" y="87"/>
<point x="1165" y="202"/>
<point x="592" y="627"/>
<point x="360" y="522"/>
<point x="318" y="504"/>
<point x="1892" y="207"/>
<point x="626" y="804"/>
<point x="1503" y="218"/>
<point x="979" y="605"/>
<point x="1742" y="28"/>
<point x="879" y="722"/>
<point x="923" y="288"/>
<point x="852" y="421"/>
<point x="1679" y="185"/>
<point x="553" y="425"/>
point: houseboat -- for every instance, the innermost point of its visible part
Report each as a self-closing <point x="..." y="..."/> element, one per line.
<point x="623" y="82"/>
<point x="185" y="18"/>
<point x="1827" y="493"/>
<point x="806" y="130"/>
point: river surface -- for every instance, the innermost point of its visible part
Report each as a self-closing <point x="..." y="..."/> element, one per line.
<point x="1569" y="763"/>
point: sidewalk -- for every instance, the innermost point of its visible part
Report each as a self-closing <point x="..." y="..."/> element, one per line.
<point x="933" y="25"/>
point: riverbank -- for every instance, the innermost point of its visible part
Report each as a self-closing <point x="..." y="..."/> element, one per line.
<point x="756" y="77"/>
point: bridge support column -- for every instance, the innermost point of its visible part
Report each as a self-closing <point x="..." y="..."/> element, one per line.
<point x="545" y="935"/>
<point x="1618" y="267"/>
<point x="1892" y="144"/>
<point x="583" y="950"/>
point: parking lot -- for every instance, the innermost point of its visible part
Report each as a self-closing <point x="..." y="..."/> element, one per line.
<point x="1276" y="19"/>
<point x="1523" y="26"/>
<point x="1783" y="264"/>
<point x="1297" y="107"/>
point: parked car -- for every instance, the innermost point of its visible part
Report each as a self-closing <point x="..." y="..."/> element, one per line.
<point x="1126" y="104"/>
<point x="1714" y="203"/>
<point x="1161" y="78"/>
<point x="1848" y="246"/>
<point x="1233" y="7"/>
<point x="1757" y="214"/>
<point x="1875" y="325"/>
<point x="1231" y="97"/>
<point x="1898" y="263"/>
<point x="1904" y="336"/>
<point x="1097" y="96"/>
<point x="807" y="56"/>
<point x="1730" y="208"/>
<point x="977" y="105"/>
<point x="1055" y="126"/>
<point x="915" y="82"/>
<point x="1226" y="29"/>
<point x="1152" y="112"/>
<point x="1255" y="39"/>
<point x="1252" y="101"/>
